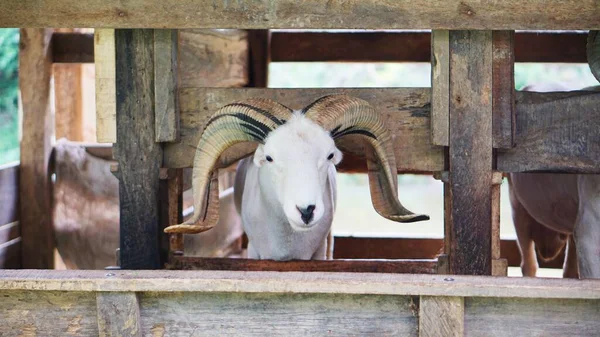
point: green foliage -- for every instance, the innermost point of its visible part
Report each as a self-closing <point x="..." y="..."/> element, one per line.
<point x="9" y="91"/>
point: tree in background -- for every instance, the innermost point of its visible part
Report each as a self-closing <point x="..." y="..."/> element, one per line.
<point x="9" y="91"/>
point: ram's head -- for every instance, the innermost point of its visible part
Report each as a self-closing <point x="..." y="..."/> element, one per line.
<point x="260" y="120"/>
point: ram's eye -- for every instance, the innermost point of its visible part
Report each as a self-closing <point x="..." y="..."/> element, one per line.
<point x="330" y="156"/>
<point x="269" y="159"/>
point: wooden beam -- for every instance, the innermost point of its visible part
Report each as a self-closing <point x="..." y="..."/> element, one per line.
<point x="118" y="314"/>
<point x="470" y="152"/>
<point x="359" y="46"/>
<point x="72" y="47"/>
<point x="9" y="193"/>
<point x="348" y="266"/>
<point x="296" y="282"/>
<point x="421" y="14"/>
<point x="166" y="99"/>
<point x="503" y="87"/>
<point x="407" y="110"/>
<point x="441" y="316"/>
<point x="35" y="72"/>
<point x="106" y="109"/>
<point x="138" y="155"/>
<point x="259" y="43"/>
<point x="440" y="82"/>
<point x="555" y="132"/>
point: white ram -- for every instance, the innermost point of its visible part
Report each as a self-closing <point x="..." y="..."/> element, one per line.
<point x="286" y="191"/>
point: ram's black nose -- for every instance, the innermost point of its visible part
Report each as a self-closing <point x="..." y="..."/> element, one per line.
<point x="306" y="213"/>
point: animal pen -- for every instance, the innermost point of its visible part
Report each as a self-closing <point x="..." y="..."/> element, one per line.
<point x="468" y="129"/>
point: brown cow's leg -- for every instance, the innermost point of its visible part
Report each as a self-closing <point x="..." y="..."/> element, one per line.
<point x="523" y="221"/>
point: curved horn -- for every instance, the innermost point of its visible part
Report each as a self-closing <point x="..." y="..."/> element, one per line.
<point x="344" y="115"/>
<point x="247" y="121"/>
<point x="593" y="52"/>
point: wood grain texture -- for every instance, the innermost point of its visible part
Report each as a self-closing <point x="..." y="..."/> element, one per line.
<point x="470" y="152"/>
<point x="35" y="71"/>
<point x="175" y="209"/>
<point x="166" y="99"/>
<point x="407" y="111"/>
<point x="495" y="204"/>
<point x="277" y="315"/>
<point x="51" y="314"/>
<point x="353" y="266"/>
<point x="441" y="316"/>
<point x="503" y="89"/>
<point x="259" y="43"/>
<point x="559" y="132"/>
<point x="70" y="47"/>
<point x="118" y="314"/>
<point x="262" y="14"/>
<point x="9" y="193"/>
<point x="138" y="154"/>
<point x="68" y="101"/>
<point x="440" y="87"/>
<point x="106" y="106"/>
<point x="297" y="282"/>
<point x="213" y="58"/>
<point x="493" y="317"/>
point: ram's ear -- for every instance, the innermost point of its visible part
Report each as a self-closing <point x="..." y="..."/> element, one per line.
<point x="259" y="155"/>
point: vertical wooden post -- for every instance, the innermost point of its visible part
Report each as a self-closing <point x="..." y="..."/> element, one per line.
<point x="259" y="42"/>
<point x="165" y="76"/>
<point x="470" y="152"/>
<point x="503" y="89"/>
<point x="104" y="59"/>
<point x="139" y="156"/>
<point x="440" y="80"/>
<point x="441" y="316"/>
<point x="118" y="314"/>
<point x="35" y="71"/>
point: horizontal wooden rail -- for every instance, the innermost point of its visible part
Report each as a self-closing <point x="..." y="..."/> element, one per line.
<point x="428" y="266"/>
<point x="286" y="46"/>
<point x="9" y="193"/>
<point x="267" y="14"/>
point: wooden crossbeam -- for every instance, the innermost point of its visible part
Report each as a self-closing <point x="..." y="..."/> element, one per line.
<point x="263" y="14"/>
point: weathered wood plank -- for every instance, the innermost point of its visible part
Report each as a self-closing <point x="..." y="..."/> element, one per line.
<point x="491" y="317"/>
<point x="9" y="193"/>
<point x="52" y="314"/>
<point x="470" y="152"/>
<point x="69" y="47"/>
<point x="138" y="154"/>
<point x="277" y="315"/>
<point x="556" y="132"/>
<point x="297" y="282"/>
<point x="503" y="89"/>
<point x="407" y="110"/>
<point x="440" y="87"/>
<point x="118" y="314"/>
<point x="68" y="101"/>
<point x="354" y="266"/>
<point x="421" y="14"/>
<point x="106" y="105"/>
<point x="35" y="72"/>
<point x="166" y="99"/>
<point x="213" y="58"/>
<point x="441" y="316"/>
<point x="259" y="43"/>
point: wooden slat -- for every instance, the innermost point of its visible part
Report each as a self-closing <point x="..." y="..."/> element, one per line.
<point x="294" y="315"/>
<point x="503" y="88"/>
<point x="495" y="317"/>
<point x="354" y="266"/>
<point x="360" y="46"/>
<point x="9" y="193"/>
<point x="118" y="314"/>
<point x="470" y="152"/>
<point x="259" y="42"/>
<point x="138" y="154"/>
<point x="72" y="47"/>
<point x="166" y="112"/>
<point x="440" y="87"/>
<point x="297" y="282"/>
<point x="441" y="316"/>
<point x="106" y="105"/>
<point x="35" y="71"/>
<point x="422" y="14"/>
<point x="48" y="314"/>
<point x="9" y="232"/>
<point x="407" y="110"/>
<point x="556" y="132"/>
